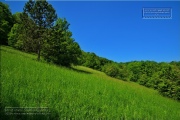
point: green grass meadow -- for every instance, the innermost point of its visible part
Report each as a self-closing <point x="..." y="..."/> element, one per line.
<point x="77" y="93"/>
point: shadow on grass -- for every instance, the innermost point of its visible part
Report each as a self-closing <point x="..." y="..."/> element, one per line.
<point x="6" y="113"/>
<point x="80" y="71"/>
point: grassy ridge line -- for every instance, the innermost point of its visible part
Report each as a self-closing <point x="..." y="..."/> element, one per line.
<point x="28" y="83"/>
<point x="121" y="82"/>
<point x="13" y="51"/>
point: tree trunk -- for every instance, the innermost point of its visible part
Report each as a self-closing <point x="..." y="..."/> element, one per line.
<point x="39" y="51"/>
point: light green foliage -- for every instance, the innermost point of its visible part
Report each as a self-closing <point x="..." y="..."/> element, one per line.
<point x="74" y="94"/>
<point x="17" y="17"/>
<point x="14" y="37"/>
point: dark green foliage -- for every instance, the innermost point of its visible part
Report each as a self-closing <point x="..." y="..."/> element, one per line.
<point x="111" y="69"/>
<point x="59" y="47"/>
<point x="165" y="77"/>
<point x="6" y="22"/>
<point x="43" y="16"/>
<point x="91" y="60"/>
<point x="124" y="73"/>
<point x="176" y="63"/>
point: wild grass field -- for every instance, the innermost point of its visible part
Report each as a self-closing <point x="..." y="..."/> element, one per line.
<point x="78" y="93"/>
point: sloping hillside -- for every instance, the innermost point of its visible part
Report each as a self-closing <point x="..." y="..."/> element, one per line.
<point x="78" y="93"/>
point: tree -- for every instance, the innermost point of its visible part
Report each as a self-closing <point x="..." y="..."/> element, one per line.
<point x="135" y="69"/>
<point x="6" y="22"/>
<point x="124" y="74"/>
<point x="90" y="60"/>
<point x="111" y="69"/>
<point x="14" y="34"/>
<point x="43" y="16"/>
<point x="59" y="47"/>
<point x="22" y="33"/>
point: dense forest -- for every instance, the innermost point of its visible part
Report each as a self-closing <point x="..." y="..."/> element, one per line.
<point x="39" y="30"/>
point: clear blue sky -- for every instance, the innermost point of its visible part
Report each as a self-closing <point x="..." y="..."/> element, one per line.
<point x="116" y="30"/>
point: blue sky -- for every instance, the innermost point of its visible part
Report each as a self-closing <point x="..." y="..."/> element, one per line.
<point x="116" y="30"/>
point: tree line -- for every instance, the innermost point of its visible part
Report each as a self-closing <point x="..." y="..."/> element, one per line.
<point x="39" y="30"/>
<point x="162" y="76"/>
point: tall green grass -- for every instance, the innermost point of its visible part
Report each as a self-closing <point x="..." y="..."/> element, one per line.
<point x="79" y="93"/>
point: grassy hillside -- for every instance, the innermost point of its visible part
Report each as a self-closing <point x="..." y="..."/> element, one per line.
<point x="78" y="93"/>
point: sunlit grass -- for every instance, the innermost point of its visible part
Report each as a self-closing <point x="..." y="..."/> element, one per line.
<point x="77" y="94"/>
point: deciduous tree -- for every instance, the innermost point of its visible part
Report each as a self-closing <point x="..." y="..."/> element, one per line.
<point x="43" y="16"/>
<point x="60" y="48"/>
